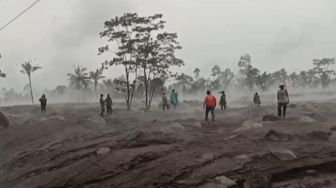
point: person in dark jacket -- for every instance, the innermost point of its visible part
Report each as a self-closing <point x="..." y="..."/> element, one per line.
<point x="256" y="99"/>
<point x="109" y="104"/>
<point x="222" y="101"/>
<point x="43" y="101"/>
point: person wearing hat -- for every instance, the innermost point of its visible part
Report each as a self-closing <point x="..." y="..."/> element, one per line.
<point x="283" y="100"/>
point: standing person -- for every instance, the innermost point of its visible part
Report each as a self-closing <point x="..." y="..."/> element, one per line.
<point x="222" y="101"/>
<point x="165" y="104"/>
<point x="102" y="104"/>
<point x="209" y="105"/>
<point x="109" y="104"/>
<point x="283" y="100"/>
<point x="174" y="98"/>
<point x="43" y="101"/>
<point x="256" y="99"/>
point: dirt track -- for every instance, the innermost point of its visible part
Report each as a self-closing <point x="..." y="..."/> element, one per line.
<point x="74" y="147"/>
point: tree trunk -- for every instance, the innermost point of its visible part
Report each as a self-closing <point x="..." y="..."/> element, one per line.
<point x="31" y="89"/>
<point x="128" y="89"/>
<point x="95" y="88"/>
<point x="146" y="87"/>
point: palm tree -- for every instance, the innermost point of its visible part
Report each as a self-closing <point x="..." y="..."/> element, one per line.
<point x="28" y="69"/>
<point x="80" y="78"/>
<point x="95" y="76"/>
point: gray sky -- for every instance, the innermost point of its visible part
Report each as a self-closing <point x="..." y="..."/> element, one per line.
<point x="63" y="33"/>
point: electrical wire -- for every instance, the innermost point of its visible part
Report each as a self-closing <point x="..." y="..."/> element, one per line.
<point x="19" y="15"/>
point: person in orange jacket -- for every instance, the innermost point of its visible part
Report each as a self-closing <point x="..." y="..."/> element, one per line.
<point x="209" y="105"/>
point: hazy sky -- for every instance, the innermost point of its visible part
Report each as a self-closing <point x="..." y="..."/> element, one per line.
<point x="62" y="33"/>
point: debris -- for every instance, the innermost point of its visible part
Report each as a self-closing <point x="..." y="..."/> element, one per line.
<point x="276" y="136"/>
<point x="257" y="180"/>
<point x="311" y="171"/>
<point x="96" y="120"/>
<point x="243" y="159"/>
<point x="225" y="181"/>
<point x="206" y="157"/>
<point x="292" y="105"/>
<point x="173" y="128"/>
<point x="284" y="155"/>
<point x="197" y="124"/>
<point x="4" y="123"/>
<point x="248" y="125"/>
<point x="231" y="137"/>
<point x="103" y="151"/>
<point x="270" y="117"/>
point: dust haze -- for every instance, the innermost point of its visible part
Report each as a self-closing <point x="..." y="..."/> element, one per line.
<point x="267" y="120"/>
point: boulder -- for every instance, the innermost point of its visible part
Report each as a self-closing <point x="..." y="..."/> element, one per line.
<point x="4" y="122"/>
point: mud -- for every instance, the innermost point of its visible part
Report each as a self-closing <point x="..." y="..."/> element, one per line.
<point x="73" y="147"/>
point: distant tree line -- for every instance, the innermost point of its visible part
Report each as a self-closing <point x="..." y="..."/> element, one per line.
<point x="251" y="78"/>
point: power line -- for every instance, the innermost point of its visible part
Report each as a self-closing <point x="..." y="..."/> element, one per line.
<point x="19" y="15"/>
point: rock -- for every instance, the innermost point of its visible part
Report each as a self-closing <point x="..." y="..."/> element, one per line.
<point x="4" y="122"/>
<point x="231" y="137"/>
<point x="307" y="119"/>
<point x="248" y="125"/>
<point x="284" y="155"/>
<point x="243" y="159"/>
<point x="270" y="117"/>
<point x="103" y="151"/>
<point x="197" y="124"/>
<point x="310" y="172"/>
<point x="333" y="128"/>
<point x="276" y="136"/>
<point x="206" y="157"/>
<point x="173" y="128"/>
<point x="257" y="180"/>
<point x="225" y="181"/>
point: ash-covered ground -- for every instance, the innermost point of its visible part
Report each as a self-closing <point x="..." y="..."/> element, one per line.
<point x="73" y="146"/>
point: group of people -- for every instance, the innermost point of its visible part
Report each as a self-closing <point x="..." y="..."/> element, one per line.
<point x="105" y="102"/>
<point x="173" y="100"/>
<point x="210" y="102"/>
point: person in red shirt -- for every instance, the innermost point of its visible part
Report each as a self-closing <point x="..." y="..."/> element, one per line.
<point x="209" y="105"/>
